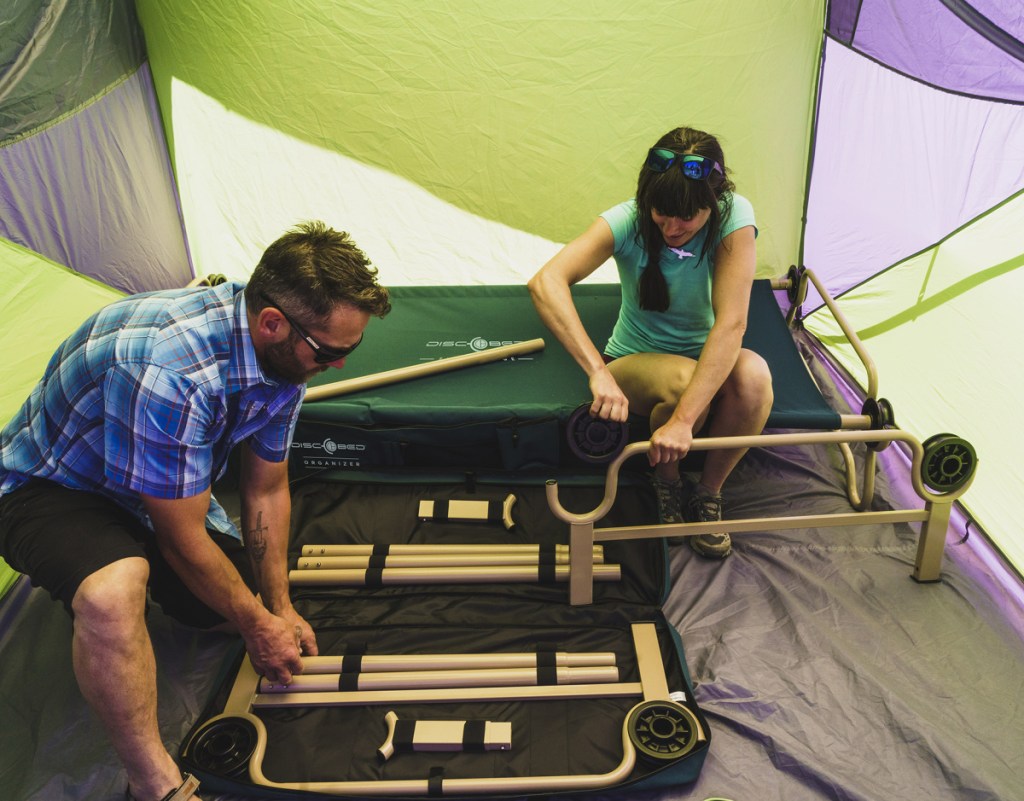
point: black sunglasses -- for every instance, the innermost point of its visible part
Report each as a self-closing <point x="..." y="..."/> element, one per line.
<point x="322" y="354"/>
<point x="694" y="167"/>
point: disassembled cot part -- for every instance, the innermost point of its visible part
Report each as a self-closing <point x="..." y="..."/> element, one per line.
<point x="444" y="735"/>
<point x="475" y="510"/>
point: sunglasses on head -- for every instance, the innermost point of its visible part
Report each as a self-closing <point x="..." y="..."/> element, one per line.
<point x="322" y="354"/>
<point x="695" y="167"/>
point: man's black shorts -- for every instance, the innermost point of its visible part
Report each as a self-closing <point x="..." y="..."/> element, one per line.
<point x="58" y="536"/>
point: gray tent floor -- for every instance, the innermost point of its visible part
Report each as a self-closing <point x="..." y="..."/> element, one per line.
<point x="825" y="671"/>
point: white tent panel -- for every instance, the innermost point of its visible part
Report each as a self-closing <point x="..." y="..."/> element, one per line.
<point x="242" y="183"/>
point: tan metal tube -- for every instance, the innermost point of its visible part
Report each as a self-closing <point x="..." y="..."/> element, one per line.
<point x="848" y="331"/>
<point x="449" y="695"/>
<point x="426" y="560"/>
<point x="753" y="441"/>
<point x="501" y="574"/>
<point x="399" y="374"/>
<point x="353" y="549"/>
<point x="370" y="663"/>
<point x="435" y="679"/>
<point x="649" y="662"/>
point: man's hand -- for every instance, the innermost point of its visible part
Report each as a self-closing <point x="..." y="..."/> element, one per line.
<point x="303" y="631"/>
<point x="273" y="647"/>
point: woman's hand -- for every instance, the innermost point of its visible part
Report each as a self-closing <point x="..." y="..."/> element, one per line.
<point x="610" y="403"/>
<point x="670" y="443"/>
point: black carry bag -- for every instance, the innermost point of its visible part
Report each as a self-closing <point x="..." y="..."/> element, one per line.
<point x="554" y="699"/>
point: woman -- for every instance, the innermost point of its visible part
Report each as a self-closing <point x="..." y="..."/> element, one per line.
<point x="684" y="248"/>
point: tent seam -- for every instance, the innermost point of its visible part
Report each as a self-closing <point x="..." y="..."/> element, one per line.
<point x="929" y="84"/>
<point x="72" y="111"/>
<point x="936" y="244"/>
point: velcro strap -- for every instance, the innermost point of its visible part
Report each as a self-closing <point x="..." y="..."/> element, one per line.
<point x="546" y="574"/>
<point x="473" y="735"/>
<point x="351" y="663"/>
<point x="374" y="577"/>
<point x="546" y="554"/>
<point x="547" y="675"/>
<point x="402" y="739"/>
<point x="442" y="510"/>
<point x="348" y="681"/>
<point x="435" y="782"/>
<point x="546" y="656"/>
<point x="377" y="560"/>
<point x="381" y="549"/>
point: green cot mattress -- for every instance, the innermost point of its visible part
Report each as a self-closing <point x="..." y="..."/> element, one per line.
<point x="509" y="414"/>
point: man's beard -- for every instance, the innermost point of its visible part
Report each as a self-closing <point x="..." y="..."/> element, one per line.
<point x="281" y="361"/>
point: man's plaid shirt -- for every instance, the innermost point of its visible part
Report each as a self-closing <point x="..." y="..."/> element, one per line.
<point x="149" y="396"/>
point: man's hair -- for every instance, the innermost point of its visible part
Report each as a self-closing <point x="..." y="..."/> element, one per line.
<point x="674" y="195"/>
<point x="310" y="270"/>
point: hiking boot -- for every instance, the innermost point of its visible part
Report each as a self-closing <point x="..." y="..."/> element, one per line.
<point x="705" y="508"/>
<point x="669" y="495"/>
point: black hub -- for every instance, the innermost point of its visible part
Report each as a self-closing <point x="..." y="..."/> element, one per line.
<point x="595" y="440"/>
<point x="882" y="417"/>
<point x="224" y="747"/>
<point x="949" y="462"/>
<point x="662" y="730"/>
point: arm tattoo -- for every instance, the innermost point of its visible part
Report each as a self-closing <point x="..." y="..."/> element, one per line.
<point x="258" y="539"/>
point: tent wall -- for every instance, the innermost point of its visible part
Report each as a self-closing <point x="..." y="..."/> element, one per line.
<point x="85" y="180"/>
<point x="463" y="143"/>
<point x="84" y="174"/>
<point x="914" y="219"/>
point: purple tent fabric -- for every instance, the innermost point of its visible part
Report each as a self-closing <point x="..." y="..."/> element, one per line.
<point x="56" y="56"/>
<point x="919" y="130"/>
<point x="971" y="48"/>
<point x="94" y="192"/>
<point x="898" y="166"/>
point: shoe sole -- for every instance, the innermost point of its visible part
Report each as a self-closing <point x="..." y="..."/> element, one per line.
<point x="711" y="553"/>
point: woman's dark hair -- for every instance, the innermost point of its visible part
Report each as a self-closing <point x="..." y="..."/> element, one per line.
<point x="674" y="195"/>
<point x="310" y="270"/>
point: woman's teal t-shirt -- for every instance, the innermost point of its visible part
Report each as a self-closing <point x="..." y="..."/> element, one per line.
<point x="684" y="326"/>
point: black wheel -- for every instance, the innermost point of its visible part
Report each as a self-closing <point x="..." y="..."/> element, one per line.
<point x="662" y="730"/>
<point x="882" y="417"/>
<point x="595" y="440"/>
<point x="795" y="276"/>
<point x="224" y="747"/>
<point x="949" y="463"/>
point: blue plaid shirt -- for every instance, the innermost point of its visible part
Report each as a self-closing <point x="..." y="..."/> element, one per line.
<point x="149" y="396"/>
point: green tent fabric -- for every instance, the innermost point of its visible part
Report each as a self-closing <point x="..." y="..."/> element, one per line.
<point x="44" y="303"/>
<point x="461" y="143"/>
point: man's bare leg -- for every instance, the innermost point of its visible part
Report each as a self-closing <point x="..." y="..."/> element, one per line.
<point x="116" y="671"/>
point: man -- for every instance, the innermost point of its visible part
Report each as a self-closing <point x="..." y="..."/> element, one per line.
<point x="106" y="473"/>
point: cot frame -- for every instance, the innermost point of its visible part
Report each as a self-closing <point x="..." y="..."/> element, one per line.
<point x="876" y="431"/>
<point x="652" y="690"/>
